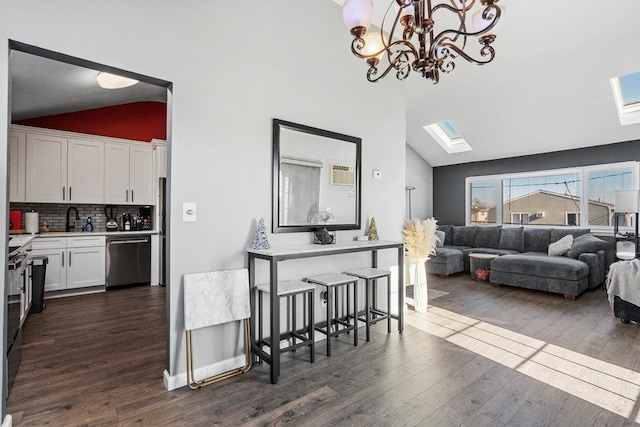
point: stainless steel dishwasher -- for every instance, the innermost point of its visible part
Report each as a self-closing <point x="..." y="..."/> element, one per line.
<point x="128" y="260"/>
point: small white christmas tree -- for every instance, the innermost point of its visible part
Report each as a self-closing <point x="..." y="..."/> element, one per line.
<point x="261" y="242"/>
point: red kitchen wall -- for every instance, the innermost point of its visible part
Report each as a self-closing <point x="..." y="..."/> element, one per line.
<point x="138" y="121"/>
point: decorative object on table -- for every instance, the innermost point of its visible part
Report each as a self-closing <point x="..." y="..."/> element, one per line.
<point x="260" y="242"/>
<point x="323" y="217"/>
<point x="322" y="236"/>
<point x="420" y="243"/>
<point x="373" y="230"/>
<point x="416" y="38"/>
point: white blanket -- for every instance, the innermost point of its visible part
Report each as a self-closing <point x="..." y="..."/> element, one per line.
<point x="623" y="280"/>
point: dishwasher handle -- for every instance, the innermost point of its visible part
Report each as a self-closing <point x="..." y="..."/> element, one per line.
<point x="125" y="242"/>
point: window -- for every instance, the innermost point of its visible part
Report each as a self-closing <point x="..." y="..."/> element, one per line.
<point x="519" y="218"/>
<point x="483" y="202"/>
<point x="575" y="197"/>
<point x="446" y="134"/>
<point x="626" y="93"/>
<point x="573" y="219"/>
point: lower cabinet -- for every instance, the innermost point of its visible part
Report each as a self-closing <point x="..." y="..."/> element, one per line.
<point x="74" y="262"/>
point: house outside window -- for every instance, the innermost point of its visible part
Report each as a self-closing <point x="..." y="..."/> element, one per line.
<point x="573" y="197"/>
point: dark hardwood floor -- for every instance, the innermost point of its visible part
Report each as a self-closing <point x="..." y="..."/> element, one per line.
<point x="481" y="356"/>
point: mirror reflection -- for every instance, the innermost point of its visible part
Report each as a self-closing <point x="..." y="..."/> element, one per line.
<point x="316" y="179"/>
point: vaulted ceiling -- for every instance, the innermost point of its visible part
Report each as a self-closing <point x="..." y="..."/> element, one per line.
<point x="548" y="88"/>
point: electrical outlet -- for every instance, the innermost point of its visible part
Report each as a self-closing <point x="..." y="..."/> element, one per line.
<point x="323" y="299"/>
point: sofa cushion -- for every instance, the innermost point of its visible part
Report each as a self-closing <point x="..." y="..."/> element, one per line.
<point x="487" y="237"/>
<point x="541" y="266"/>
<point x="448" y="233"/>
<point x="489" y="251"/>
<point x="446" y="256"/>
<point x="586" y="243"/>
<point x="559" y="233"/>
<point x="561" y="246"/>
<point x="537" y="239"/>
<point x="512" y="238"/>
<point x="464" y="235"/>
<point x="440" y="236"/>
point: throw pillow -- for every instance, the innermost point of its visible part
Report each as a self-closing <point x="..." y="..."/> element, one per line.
<point x="464" y="235"/>
<point x="561" y="246"/>
<point x="487" y="237"/>
<point x="512" y="238"/>
<point x="440" y="236"/>
<point x="537" y="239"/>
<point x="586" y="243"/>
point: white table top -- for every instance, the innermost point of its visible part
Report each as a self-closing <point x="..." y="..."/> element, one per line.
<point x="318" y="249"/>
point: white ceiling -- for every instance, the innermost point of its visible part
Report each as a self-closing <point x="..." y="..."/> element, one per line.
<point x="42" y="87"/>
<point x="547" y="89"/>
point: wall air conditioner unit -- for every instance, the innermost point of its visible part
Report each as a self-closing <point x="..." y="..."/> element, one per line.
<point x="343" y="175"/>
<point x="539" y="214"/>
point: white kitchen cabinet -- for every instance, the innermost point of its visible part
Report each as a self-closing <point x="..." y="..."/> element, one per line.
<point x="74" y="262"/>
<point x="85" y="174"/>
<point x="161" y="160"/>
<point x="46" y="176"/>
<point x="128" y="174"/>
<point x="17" y="166"/>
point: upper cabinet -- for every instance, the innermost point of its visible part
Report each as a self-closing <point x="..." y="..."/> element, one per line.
<point x="46" y="168"/>
<point x="161" y="159"/>
<point x="128" y="174"/>
<point x="64" y="170"/>
<point x="17" y="166"/>
<point x="63" y="167"/>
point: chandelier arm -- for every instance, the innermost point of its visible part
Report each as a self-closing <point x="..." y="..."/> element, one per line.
<point x="400" y="63"/>
<point x="454" y="9"/>
<point x="486" y="50"/>
<point x="438" y="39"/>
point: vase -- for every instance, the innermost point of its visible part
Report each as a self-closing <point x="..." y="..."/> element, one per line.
<point x="420" y="296"/>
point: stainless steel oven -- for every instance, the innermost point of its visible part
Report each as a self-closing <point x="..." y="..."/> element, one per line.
<point x="18" y="298"/>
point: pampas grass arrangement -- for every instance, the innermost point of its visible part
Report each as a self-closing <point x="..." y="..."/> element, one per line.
<point x="420" y="238"/>
<point x="420" y="243"/>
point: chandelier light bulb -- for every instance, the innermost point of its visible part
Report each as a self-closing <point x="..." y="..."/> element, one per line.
<point x="373" y="44"/>
<point x="478" y="23"/>
<point x="357" y="13"/>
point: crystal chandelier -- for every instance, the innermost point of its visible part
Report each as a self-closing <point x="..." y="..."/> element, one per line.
<point x="416" y="42"/>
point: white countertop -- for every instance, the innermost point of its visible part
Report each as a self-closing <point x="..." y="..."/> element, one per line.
<point x="88" y="233"/>
<point x="20" y="240"/>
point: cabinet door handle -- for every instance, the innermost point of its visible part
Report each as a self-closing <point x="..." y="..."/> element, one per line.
<point x="63" y="258"/>
<point x="63" y="193"/>
<point x="69" y="258"/>
<point x="127" y="195"/>
<point x="69" y="193"/>
<point x="132" y="196"/>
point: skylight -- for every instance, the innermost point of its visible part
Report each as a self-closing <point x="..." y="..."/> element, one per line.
<point x="626" y="93"/>
<point x="449" y="138"/>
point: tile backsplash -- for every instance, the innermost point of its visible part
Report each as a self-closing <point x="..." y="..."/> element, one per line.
<point x="55" y="214"/>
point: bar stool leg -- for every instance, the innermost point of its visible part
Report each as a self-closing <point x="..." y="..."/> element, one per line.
<point x="367" y="310"/>
<point x="260" y="323"/>
<point x="388" y="304"/>
<point x="329" y="319"/>
<point x="293" y="319"/>
<point x="355" y="312"/>
<point x="312" y="347"/>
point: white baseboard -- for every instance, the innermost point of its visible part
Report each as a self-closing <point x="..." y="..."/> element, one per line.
<point x="8" y="421"/>
<point x="172" y="382"/>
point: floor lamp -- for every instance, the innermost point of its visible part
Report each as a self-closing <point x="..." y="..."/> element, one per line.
<point x="626" y="201"/>
<point x="409" y="189"/>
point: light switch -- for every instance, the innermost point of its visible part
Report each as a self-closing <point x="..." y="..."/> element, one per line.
<point x="188" y="211"/>
<point x="377" y="174"/>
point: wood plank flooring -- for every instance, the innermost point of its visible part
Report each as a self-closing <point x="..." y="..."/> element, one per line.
<point x="98" y="360"/>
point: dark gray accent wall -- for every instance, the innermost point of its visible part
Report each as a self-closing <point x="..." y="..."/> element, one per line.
<point x="449" y="181"/>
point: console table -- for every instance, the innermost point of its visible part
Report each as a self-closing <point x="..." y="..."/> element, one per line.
<point x="284" y="253"/>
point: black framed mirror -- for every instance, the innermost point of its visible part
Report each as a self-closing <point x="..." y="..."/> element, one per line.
<point x="316" y="179"/>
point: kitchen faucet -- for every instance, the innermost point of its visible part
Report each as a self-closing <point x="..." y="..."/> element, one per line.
<point x="67" y="226"/>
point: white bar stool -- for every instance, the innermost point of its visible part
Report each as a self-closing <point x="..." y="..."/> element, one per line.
<point x="291" y="289"/>
<point x="342" y="324"/>
<point x="373" y="314"/>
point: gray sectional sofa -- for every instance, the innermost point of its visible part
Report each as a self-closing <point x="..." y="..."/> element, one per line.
<point x="524" y="259"/>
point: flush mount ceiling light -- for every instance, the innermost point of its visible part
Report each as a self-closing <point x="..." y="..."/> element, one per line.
<point x="418" y="39"/>
<point x="112" y="81"/>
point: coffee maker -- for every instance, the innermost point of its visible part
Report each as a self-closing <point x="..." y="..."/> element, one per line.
<point x="144" y="214"/>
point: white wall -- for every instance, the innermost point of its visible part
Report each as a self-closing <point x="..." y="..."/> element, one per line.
<point x="419" y="175"/>
<point x="234" y="67"/>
